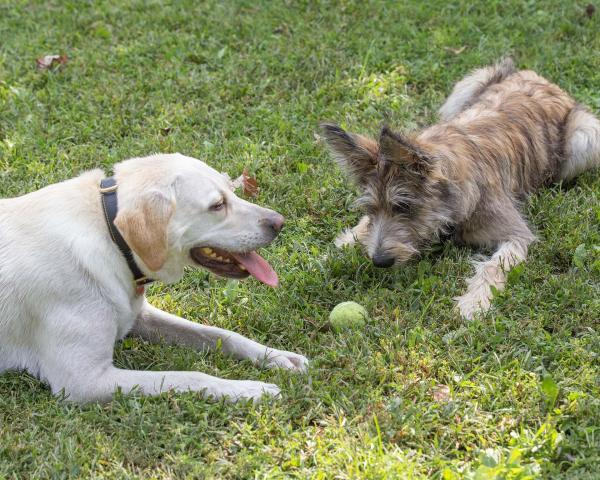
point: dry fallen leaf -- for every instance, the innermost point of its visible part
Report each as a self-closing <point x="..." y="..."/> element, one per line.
<point x="441" y="393"/>
<point x="48" y="61"/>
<point x="590" y="10"/>
<point x="248" y="184"/>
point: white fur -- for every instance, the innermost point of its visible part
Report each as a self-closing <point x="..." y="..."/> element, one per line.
<point x="66" y="293"/>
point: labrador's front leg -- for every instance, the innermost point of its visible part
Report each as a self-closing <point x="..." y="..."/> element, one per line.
<point x="80" y="364"/>
<point x="155" y="325"/>
<point x="102" y="384"/>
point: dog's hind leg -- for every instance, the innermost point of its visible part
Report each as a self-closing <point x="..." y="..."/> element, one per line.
<point x="512" y="236"/>
<point x="352" y="235"/>
<point x="155" y="325"/>
<point x="582" y="143"/>
<point x="466" y="91"/>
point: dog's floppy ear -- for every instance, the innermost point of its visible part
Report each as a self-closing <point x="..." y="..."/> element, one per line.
<point x="401" y="151"/>
<point x="144" y="227"/>
<point x="355" y="153"/>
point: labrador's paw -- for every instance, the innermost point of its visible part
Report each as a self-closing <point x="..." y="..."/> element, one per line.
<point x="239" y="390"/>
<point x="287" y="360"/>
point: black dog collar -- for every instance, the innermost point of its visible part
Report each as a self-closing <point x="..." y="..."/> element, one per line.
<point x="108" y="189"/>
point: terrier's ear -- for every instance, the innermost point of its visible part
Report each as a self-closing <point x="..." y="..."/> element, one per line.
<point x="144" y="228"/>
<point x="355" y="154"/>
<point x="401" y="151"/>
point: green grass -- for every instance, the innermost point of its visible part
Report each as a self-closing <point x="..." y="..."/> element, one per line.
<point x="244" y="84"/>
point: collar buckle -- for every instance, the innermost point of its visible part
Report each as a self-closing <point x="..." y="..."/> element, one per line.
<point x="109" y="189"/>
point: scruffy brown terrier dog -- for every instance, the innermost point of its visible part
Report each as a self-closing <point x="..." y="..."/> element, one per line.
<point x="503" y="134"/>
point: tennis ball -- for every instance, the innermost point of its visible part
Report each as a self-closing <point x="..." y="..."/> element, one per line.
<point x="347" y="316"/>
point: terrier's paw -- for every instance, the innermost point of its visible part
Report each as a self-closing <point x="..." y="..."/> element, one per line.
<point x="473" y="303"/>
<point x="286" y="360"/>
<point x="238" y="390"/>
<point x="345" y="239"/>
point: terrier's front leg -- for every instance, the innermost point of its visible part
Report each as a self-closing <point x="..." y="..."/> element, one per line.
<point x="491" y="273"/>
<point x="352" y="235"/>
<point x="154" y="325"/>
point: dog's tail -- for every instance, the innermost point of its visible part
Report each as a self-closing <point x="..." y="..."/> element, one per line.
<point x="467" y="91"/>
<point x="582" y="143"/>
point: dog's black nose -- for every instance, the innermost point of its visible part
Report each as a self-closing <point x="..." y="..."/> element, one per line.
<point x="274" y="222"/>
<point x="382" y="260"/>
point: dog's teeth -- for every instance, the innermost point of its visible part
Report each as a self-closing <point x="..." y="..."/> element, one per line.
<point x="207" y="250"/>
<point x="242" y="267"/>
<point x="213" y="255"/>
<point x="220" y="258"/>
<point x="227" y="260"/>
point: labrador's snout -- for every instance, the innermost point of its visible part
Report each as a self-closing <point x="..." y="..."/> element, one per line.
<point x="273" y="222"/>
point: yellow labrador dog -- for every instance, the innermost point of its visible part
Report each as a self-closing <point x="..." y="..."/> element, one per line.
<point x="74" y="257"/>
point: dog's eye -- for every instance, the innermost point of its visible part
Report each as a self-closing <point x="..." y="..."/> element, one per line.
<point x="215" y="207"/>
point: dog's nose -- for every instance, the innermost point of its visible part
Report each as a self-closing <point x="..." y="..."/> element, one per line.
<point x="382" y="260"/>
<point x="274" y="222"/>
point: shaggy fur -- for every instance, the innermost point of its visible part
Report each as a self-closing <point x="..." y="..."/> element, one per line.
<point x="503" y="134"/>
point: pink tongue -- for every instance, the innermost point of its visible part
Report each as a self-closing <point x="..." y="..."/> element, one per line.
<point x="258" y="267"/>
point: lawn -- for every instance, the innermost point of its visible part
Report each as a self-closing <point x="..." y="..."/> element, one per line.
<point x="418" y="393"/>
